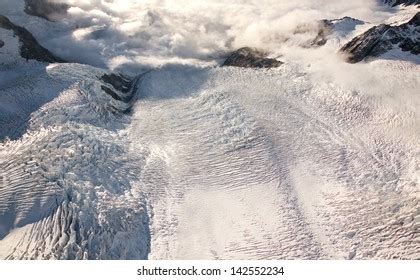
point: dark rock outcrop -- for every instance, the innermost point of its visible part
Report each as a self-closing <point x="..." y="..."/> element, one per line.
<point x="119" y="82"/>
<point x="118" y="87"/>
<point x="29" y="46"/>
<point x="382" y="38"/>
<point x="110" y="92"/>
<point x="394" y="3"/>
<point x="1" y="43"/>
<point x="251" y="58"/>
<point x="45" y="9"/>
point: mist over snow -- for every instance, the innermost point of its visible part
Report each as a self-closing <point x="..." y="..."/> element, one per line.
<point x="134" y="35"/>
<point x="152" y="33"/>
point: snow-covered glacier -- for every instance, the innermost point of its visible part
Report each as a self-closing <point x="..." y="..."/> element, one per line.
<point x="59" y="179"/>
<point x="179" y="158"/>
<point x="271" y="164"/>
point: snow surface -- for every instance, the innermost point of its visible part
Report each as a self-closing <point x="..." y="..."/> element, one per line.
<point x="214" y="163"/>
<point x="268" y="164"/>
<point x="59" y="178"/>
<point x="317" y="159"/>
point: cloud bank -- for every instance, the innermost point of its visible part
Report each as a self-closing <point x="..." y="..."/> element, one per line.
<point x="123" y="33"/>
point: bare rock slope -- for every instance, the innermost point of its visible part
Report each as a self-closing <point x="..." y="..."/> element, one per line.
<point x="383" y="38"/>
<point x="29" y="46"/>
<point x="251" y="58"/>
<point x="394" y="3"/>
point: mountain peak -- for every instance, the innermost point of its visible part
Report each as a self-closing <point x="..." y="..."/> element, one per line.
<point x="29" y="46"/>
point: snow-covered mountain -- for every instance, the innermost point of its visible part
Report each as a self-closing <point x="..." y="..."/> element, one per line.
<point x="383" y="38"/>
<point x="29" y="48"/>
<point x="122" y="137"/>
<point x="402" y="2"/>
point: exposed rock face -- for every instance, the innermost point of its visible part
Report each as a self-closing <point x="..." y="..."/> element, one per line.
<point x="394" y="3"/>
<point x="382" y="38"/>
<point x="119" y="87"/>
<point x="119" y="82"/>
<point x="45" y="9"/>
<point x="251" y="58"/>
<point x="29" y="47"/>
<point x="1" y="43"/>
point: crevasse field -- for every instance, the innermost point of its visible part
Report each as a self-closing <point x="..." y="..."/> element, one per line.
<point x="315" y="159"/>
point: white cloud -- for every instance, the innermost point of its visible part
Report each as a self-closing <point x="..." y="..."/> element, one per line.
<point x="187" y="30"/>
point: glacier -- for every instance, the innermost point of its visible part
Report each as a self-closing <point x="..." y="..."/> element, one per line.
<point x="184" y="159"/>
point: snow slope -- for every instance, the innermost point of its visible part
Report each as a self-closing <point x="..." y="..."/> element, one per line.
<point x="59" y="179"/>
<point x="266" y="164"/>
<point x="214" y="163"/>
<point x="315" y="159"/>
